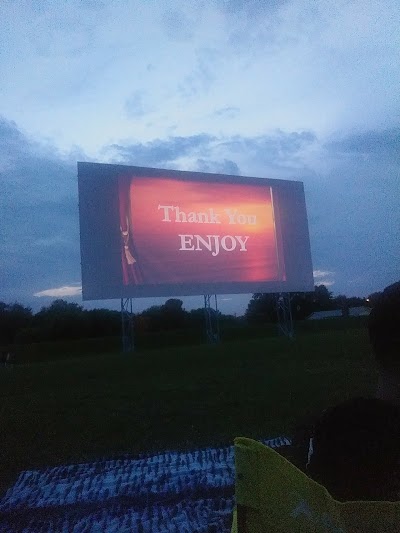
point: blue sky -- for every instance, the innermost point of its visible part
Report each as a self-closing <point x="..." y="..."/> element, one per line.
<point x="282" y="89"/>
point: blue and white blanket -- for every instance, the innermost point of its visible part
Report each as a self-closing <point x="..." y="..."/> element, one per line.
<point x="171" y="491"/>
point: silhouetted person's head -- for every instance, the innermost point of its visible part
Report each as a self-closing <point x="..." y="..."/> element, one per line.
<point x="357" y="450"/>
<point x="384" y="334"/>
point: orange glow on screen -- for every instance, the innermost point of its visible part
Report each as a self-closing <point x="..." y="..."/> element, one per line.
<point x="188" y="231"/>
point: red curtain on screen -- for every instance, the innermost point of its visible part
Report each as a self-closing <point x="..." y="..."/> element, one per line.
<point x="131" y="272"/>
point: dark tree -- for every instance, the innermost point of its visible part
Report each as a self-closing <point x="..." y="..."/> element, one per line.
<point x="355" y="301"/>
<point x="173" y="304"/>
<point x="61" y="320"/>
<point x="323" y="299"/>
<point x="13" y="318"/>
<point x="173" y="314"/>
<point x="373" y="298"/>
<point x="302" y="305"/>
<point x="101" y="322"/>
<point x="262" y="307"/>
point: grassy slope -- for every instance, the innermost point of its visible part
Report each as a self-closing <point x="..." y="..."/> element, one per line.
<point x="83" y="408"/>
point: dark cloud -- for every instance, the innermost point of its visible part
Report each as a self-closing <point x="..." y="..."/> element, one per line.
<point x="39" y="215"/>
<point x="354" y="214"/>
<point x="30" y="170"/>
<point x="384" y="144"/>
<point x="161" y="152"/>
<point x="278" y="150"/>
<point x="10" y="137"/>
<point x="218" y="167"/>
<point x="275" y="150"/>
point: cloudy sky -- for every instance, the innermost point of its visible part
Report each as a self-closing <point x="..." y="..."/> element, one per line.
<point x="282" y="89"/>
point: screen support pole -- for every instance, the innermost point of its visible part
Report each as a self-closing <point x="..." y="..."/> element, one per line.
<point x="211" y="319"/>
<point x="284" y="313"/>
<point x="127" y="331"/>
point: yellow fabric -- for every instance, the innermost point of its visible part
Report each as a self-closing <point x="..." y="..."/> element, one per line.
<point x="272" y="495"/>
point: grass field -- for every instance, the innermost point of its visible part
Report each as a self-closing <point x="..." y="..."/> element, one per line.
<point x="89" y="407"/>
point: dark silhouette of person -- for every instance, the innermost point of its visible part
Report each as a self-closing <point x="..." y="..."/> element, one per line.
<point x="355" y="446"/>
<point x="384" y="334"/>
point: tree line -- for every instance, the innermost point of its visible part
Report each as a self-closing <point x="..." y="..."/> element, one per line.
<point x="262" y="307"/>
<point x="64" y="320"/>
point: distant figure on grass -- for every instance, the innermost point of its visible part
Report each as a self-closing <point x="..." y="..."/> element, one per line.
<point x="355" y="448"/>
<point x="5" y="358"/>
